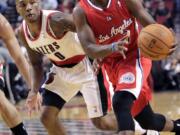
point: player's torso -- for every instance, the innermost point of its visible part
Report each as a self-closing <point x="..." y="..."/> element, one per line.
<point x="63" y="50"/>
<point x="110" y="24"/>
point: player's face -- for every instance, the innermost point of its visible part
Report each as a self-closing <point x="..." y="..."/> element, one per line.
<point x="29" y="9"/>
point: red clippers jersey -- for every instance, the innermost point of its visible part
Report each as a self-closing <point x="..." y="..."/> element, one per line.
<point x="111" y="23"/>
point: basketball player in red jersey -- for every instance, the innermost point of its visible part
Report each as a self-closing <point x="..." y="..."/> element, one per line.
<point x="8" y="112"/>
<point x="100" y="25"/>
<point x="51" y="33"/>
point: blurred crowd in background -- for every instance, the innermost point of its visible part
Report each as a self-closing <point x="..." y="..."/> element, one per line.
<point x="165" y="73"/>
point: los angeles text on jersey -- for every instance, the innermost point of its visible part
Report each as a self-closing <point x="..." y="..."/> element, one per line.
<point x="114" y="31"/>
<point x="50" y="49"/>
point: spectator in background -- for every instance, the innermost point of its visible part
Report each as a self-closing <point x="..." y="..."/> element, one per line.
<point x="158" y="76"/>
<point x="176" y="13"/>
<point x="59" y="2"/>
<point x="163" y="15"/>
<point x="11" y="14"/>
<point x="3" y="3"/>
<point x="148" y="7"/>
<point x="49" y="4"/>
<point x="2" y="6"/>
<point x="177" y="6"/>
<point x="67" y="6"/>
<point x="172" y="72"/>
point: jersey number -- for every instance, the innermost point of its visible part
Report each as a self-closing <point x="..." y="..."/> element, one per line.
<point x="59" y="55"/>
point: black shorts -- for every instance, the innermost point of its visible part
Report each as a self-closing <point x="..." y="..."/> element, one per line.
<point x="1" y="84"/>
<point x="52" y="99"/>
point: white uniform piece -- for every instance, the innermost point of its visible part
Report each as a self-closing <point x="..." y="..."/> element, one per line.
<point x="67" y="82"/>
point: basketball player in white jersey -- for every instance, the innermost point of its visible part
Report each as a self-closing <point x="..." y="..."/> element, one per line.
<point x="51" y="33"/>
<point x="8" y="112"/>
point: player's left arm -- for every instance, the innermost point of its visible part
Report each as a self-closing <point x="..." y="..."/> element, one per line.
<point x="8" y="36"/>
<point x="137" y="10"/>
<point x="62" y="22"/>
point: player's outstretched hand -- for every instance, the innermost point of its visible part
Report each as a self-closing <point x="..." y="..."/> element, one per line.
<point x="119" y="47"/>
<point x="33" y="102"/>
<point x="174" y="45"/>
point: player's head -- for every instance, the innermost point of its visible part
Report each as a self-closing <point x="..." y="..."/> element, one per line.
<point x="29" y="9"/>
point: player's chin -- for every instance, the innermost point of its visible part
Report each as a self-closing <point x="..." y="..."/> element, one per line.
<point x="31" y="19"/>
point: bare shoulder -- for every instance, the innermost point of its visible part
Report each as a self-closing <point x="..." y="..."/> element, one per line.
<point x="61" y="22"/>
<point x="59" y="18"/>
<point x="78" y="11"/>
<point x="133" y="5"/>
<point x="56" y="16"/>
<point x="79" y="17"/>
<point x="56" y="20"/>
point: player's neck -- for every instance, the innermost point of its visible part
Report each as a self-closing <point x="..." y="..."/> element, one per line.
<point x="34" y="27"/>
<point x="100" y="3"/>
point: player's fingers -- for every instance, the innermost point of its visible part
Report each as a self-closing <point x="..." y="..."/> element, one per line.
<point x="173" y="46"/>
<point x="123" y="48"/>
<point x="122" y="42"/>
<point x="29" y="113"/>
<point x="172" y="31"/>
<point x="96" y="70"/>
<point x="126" y="40"/>
<point x="30" y="110"/>
<point x="99" y="60"/>
<point x="174" y="34"/>
<point x="97" y="65"/>
<point x="40" y="97"/>
<point x="172" y="50"/>
<point x="37" y="107"/>
<point x="123" y="54"/>
<point x="41" y="100"/>
<point x="39" y="104"/>
<point x="27" y="104"/>
<point x="126" y="37"/>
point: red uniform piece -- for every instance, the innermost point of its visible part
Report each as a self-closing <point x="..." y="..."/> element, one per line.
<point x="110" y="25"/>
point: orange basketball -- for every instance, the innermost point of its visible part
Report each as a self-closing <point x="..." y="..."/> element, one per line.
<point x="155" y="41"/>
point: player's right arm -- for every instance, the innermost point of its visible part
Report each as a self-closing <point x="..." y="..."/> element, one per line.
<point x="88" y="40"/>
<point x="35" y="63"/>
<point x="11" y="43"/>
<point x="137" y="10"/>
<point x="34" y="100"/>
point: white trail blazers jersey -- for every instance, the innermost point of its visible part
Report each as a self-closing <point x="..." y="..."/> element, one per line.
<point x="61" y="51"/>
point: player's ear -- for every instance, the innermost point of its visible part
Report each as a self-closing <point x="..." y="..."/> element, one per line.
<point x="17" y="6"/>
<point x="39" y="3"/>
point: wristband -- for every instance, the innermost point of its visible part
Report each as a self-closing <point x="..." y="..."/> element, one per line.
<point x="113" y="47"/>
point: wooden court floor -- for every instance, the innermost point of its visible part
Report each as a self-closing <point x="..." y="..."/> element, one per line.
<point x="75" y="120"/>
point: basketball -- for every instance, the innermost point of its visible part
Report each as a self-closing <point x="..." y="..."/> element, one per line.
<point x="155" y="41"/>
